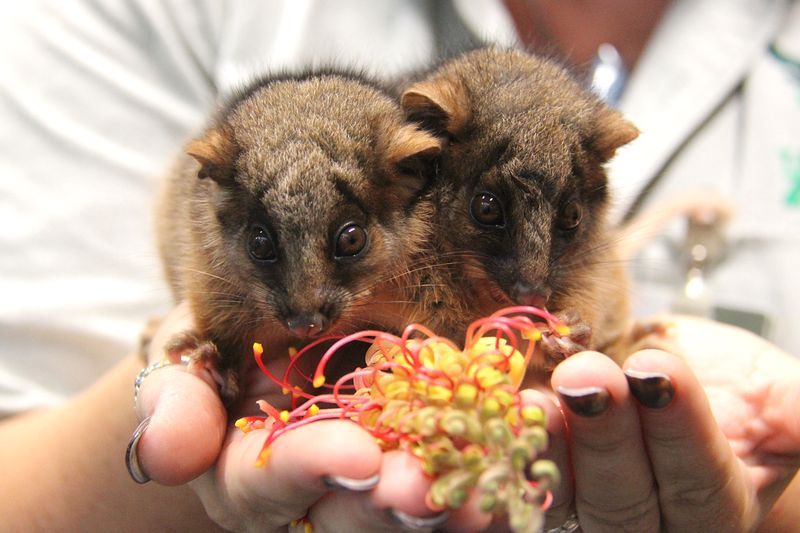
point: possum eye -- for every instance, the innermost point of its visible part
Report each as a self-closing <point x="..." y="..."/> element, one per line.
<point x="260" y="245"/>
<point x="487" y="210"/>
<point x="350" y="241"/>
<point x="569" y="216"/>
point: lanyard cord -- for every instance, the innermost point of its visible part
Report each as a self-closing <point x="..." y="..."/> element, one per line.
<point x="647" y="189"/>
<point x="791" y="64"/>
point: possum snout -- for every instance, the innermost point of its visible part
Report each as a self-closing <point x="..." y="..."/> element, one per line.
<point x="311" y="313"/>
<point x="307" y="324"/>
<point x="529" y="294"/>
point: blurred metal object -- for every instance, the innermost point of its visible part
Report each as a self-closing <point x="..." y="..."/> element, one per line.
<point x="608" y="74"/>
<point x="571" y="525"/>
<point x="703" y="248"/>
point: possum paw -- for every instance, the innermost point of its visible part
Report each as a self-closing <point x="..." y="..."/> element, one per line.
<point x="555" y="348"/>
<point x="203" y="355"/>
<point x="650" y="334"/>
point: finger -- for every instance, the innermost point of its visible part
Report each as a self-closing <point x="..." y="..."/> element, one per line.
<point x="614" y="485"/>
<point x="348" y="511"/>
<point x="700" y="480"/>
<point x="774" y="386"/>
<point x="186" y="417"/>
<point x="754" y="395"/>
<point x="396" y="503"/>
<point x="186" y="428"/>
<point x="293" y="478"/>
<point x="782" y="415"/>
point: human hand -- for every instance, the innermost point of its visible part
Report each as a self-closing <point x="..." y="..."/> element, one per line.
<point x="700" y="473"/>
<point x="702" y="442"/>
<point x="324" y="469"/>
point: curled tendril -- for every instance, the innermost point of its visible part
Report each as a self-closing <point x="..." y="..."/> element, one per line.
<point x="459" y="411"/>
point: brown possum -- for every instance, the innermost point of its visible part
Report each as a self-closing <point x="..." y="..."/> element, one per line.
<point x="522" y="195"/>
<point x="295" y="214"/>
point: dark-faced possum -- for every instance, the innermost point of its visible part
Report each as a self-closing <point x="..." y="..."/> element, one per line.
<point x="295" y="214"/>
<point x="522" y="196"/>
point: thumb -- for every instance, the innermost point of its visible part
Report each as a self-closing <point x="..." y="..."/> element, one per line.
<point x="187" y="425"/>
<point x="184" y="419"/>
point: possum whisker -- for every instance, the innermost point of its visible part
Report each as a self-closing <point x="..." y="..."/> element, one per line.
<point x="204" y="273"/>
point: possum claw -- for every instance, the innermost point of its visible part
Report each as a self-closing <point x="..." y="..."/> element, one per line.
<point x="556" y="348"/>
<point x="203" y="355"/>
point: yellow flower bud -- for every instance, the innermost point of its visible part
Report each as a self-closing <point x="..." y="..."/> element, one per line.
<point x="488" y="377"/>
<point x="533" y="415"/>
<point x="397" y="390"/>
<point x="516" y="370"/>
<point x="466" y="394"/>
<point x="490" y="408"/>
<point x="439" y="394"/>
<point x="532" y="334"/>
<point x="497" y="431"/>
<point x="546" y="473"/>
<point x="263" y="457"/>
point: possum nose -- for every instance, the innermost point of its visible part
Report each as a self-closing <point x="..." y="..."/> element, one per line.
<point x="306" y="324"/>
<point x="525" y="294"/>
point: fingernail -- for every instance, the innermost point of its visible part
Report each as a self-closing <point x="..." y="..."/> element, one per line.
<point x="353" y="485"/>
<point x="132" y="454"/>
<point x="416" y="523"/>
<point x="652" y="389"/>
<point x="585" y="401"/>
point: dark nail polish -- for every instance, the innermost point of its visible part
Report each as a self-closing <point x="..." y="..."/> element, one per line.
<point x="132" y="454"/>
<point x="350" y="484"/>
<point x="652" y="389"/>
<point x="416" y="523"/>
<point x="585" y="401"/>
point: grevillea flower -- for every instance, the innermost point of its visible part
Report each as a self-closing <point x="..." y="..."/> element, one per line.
<point x="459" y="411"/>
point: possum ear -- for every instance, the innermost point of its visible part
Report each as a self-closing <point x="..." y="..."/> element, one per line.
<point x="611" y="131"/>
<point x="411" y="154"/>
<point x="440" y="104"/>
<point x="410" y="148"/>
<point x="216" y="152"/>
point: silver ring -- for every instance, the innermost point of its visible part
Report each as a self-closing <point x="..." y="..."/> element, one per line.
<point x="149" y="369"/>
<point x="132" y="454"/>
<point x="571" y="525"/>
